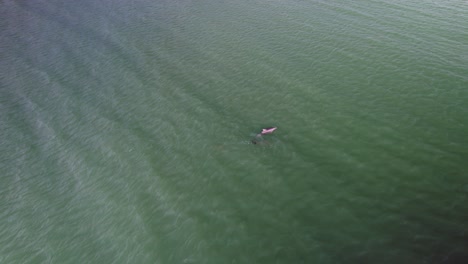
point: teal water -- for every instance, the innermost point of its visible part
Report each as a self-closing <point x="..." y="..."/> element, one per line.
<point x="126" y="128"/>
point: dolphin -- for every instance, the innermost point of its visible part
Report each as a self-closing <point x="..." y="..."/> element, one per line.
<point x="258" y="137"/>
<point x="268" y="130"/>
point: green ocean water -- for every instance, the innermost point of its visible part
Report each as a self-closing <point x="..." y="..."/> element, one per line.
<point x="126" y="128"/>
